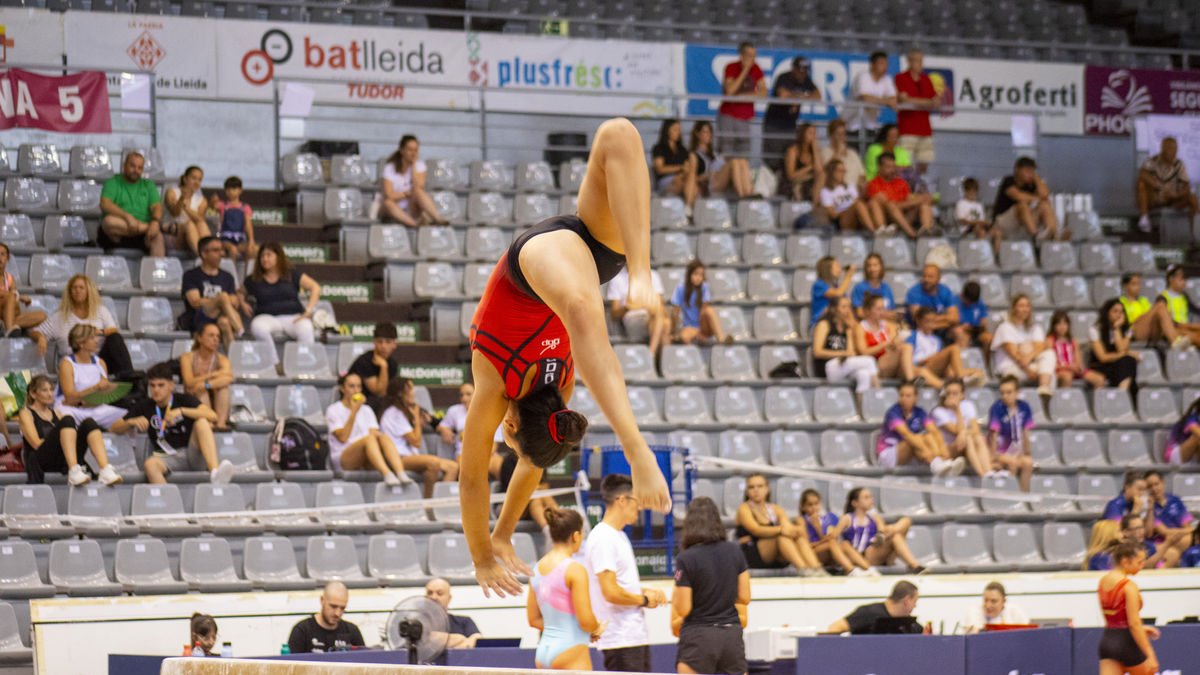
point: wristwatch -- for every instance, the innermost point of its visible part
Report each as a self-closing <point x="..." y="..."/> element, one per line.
<point x="645" y="600"/>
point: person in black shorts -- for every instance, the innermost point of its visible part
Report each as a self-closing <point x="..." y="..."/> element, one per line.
<point x="712" y="592"/>
<point x="864" y="620"/>
<point x="54" y="443"/>
<point x="377" y="367"/>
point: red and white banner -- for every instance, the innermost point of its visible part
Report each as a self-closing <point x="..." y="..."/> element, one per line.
<point x="75" y="104"/>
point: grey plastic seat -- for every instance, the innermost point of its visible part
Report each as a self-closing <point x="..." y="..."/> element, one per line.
<point x="736" y="405"/>
<point x="671" y="248"/>
<point x="686" y="405"/>
<point x="774" y="323"/>
<point x="252" y="359"/>
<point x="1081" y="448"/>
<point x="951" y="504"/>
<point x="875" y="403"/>
<point x="1157" y="404"/>
<point x="761" y="248"/>
<point x="437" y="280"/>
<point x="27" y="195"/>
<point x="717" y="248"/>
<point x="78" y="196"/>
<point x="161" y="500"/>
<point x="534" y="177"/>
<point x="683" y="363"/>
<point x="994" y="292"/>
<point x="447" y="515"/>
<point x="848" y="249"/>
<point x="210" y="498"/>
<point x="833" y="405"/>
<point x="390" y="242"/>
<point x="13" y="651"/>
<point x="392" y="560"/>
<point x="91" y="161"/>
<point x="804" y="250"/>
<point x="438" y="242"/>
<point x="1031" y="397"/>
<point x="334" y="557"/>
<point x="767" y="285"/>
<point x="142" y="568"/>
<point x="531" y="208"/>
<point x="38" y="159"/>
<point x="786" y="405"/>
<point x="1015" y="544"/>
<point x="1098" y="257"/>
<point x="1149" y="369"/>
<point x="1069" y="406"/>
<point x="94" y="500"/>
<point x="344" y="205"/>
<point x="1136" y="257"/>
<point x="583" y="403"/>
<point x="62" y="231"/>
<point x="1057" y="256"/>
<point x="306" y="361"/>
<point x="475" y="278"/>
<point x="695" y="441"/>
<point x="404" y="520"/>
<point x="772" y="356"/>
<point x="570" y="174"/>
<point x="151" y="314"/>
<point x="269" y="563"/>
<point x="1113" y="405"/>
<point x="667" y="213"/>
<point x="1049" y="485"/>
<point x="160" y="275"/>
<point x="842" y="450"/>
<point x="491" y="175"/>
<point x="787" y="491"/>
<point x="1043" y="448"/>
<point x="446" y="174"/>
<point x="976" y="255"/>
<point x="792" y="449"/>
<point x="299" y="400"/>
<point x="1070" y="291"/>
<point x="802" y="283"/>
<point x="999" y="505"/>
<point x="733" y="320"/>
<point x="1017" y="256"/>
<point x="896" y="252"/>
<point x="349" y="170"/>
<point x="756" y="214"/>
<point x="732" y="363"/>
<point x="302" y="170"/>
<point x="742" y="446"/>
<point x="712" y="214"/>
<point x="899" y="501"/>
<point x="733" y="492"/>
<point x="341" y="493"/>
<point x="1032" y="285"/>
<point x="644" y="406"/>
<point x="486" y="244"/>
<point x="19" y="576"/>
<point x="285" y="498"/>
<point x="30" y="512"/>
<point x="16" y="230"/>
<point x="143" y="353"/>
<point x="449" y="205"/>
<point x="1100" y="485"/>
<point x="1187" y="487"/>
<point x="964" y="545"/>
<point x="206" y="565"/>
<point x="16" y="354"/>
<point x="449" y="557"/>
<point x="1064" y="543"/>
<point x="926" y="244"/>
<point x="77" y="569"/>
<point x="637" y="363"/>
<point x="1183" y="366"/>
<point x="921" y="543"/>
<point x="1127" y="447"/>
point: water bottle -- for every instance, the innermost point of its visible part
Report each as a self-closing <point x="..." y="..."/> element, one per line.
<point x="198" y="651"/>
<point x="285" y="649"/>
<point x="227" y="650"/>
<point x="187" y="650"/>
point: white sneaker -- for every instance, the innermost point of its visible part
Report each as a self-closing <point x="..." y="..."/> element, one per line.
<point x="873" y="572"/>
<point x="820" y="572"/>
<point x="857" y="572"/>
<point x="391" y="480"/>
<point x="1045" y="390"/>
<point x="1003" y="473"/>
<point x="109" y="475"/>
<point x="223" y="473"/>
<point x="1181" y="343"/>
<point x="77" y="476"/>
<point x="957" y="466"/>
<point x="939" y="466"/>
<point x="1144" y="223"/>
<point x="991" y="474"/>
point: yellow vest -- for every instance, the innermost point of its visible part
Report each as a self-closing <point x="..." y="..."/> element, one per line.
<point x="1134" y="309"/>
<point x="1177" y="305"/>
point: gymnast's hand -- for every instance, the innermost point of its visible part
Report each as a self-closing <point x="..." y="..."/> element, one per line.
<point x="502" y="549"/>
<point x="642" y="294"/>
<point x="649" y="487"/>
<point x="494" y="576"/>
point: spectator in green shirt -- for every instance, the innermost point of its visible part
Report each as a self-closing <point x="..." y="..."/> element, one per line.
<point x="132" y="210"/>
<point x="887" y="140"/>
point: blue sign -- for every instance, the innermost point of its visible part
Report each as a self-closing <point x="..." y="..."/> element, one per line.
<point x="880" y="655"/>
<point x="1036" y="651"/>
<point x="1178" y="650"/>
<point x="832" y="72"/>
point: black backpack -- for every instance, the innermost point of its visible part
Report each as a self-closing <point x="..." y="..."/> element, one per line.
<point x="296" y="446"/>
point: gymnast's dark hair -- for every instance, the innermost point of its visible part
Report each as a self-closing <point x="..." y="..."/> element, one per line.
<point x="702" y="524"/>
<point x="549" y="431"/>
<point x="1126" y="550"/>
<point x="563" y="523"/>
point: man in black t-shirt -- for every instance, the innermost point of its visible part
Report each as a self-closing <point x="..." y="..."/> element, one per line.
<point x="325" y="631"/>
<point x="779" y="122"/>
<point x="1023" y="205"/>
<point x="211" y="293"/>
<point x="180" y="430"/>
<point x="863" y="621"/>
<point x="376" y="368"/>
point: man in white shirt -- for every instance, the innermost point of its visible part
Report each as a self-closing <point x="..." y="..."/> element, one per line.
<point x="869" y="90"/>
<point x="640" y="322"/>
<point x="626" y="641"/>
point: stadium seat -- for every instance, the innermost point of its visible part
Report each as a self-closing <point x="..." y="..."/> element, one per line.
<point x="671" y="248"/>
<point x="212" y="498"/>
<point x="1183" y="366"/>
<point x="952" y="504"/>
<point x="1112" y="404"/>
<point x="802" y="283"/>
<point x="30" y="512"/>
<point x="1081" y="448"/>
<point x="534" y="177"/>
<point x="583" y="403"/>
<point x="896" y="252"/>
<point x="252" y="359"/>
<point x="532" y="208"/>
<point x="491" y="175"/>
<point x="344" y="205"/>
<point x="438" y="242"/>
<point x="1064" y="543"/>
<point x="767" y="285"/>
<point x="842" y="450"/>
<point x="151" y="314"/>
<point x="486" y="244"/>
<point x="1016" y="545"/>
<point x="1105" y="287"/>
<point x="1127" y="448"/>
<point x="489" y="208"/>
<point x="999" y="505"/>
<point x="787" y="491"/>
<point x="269" y="562"/>
<point x="65" y="231"/>
<point x="160" y="275"/>
<point x="686" y="405"/>
<point x="894" y="501"/>
<point x="1057" y="257"/>
<point x="142" y="568"/>
<point x="1187" y="487"/>
<point x="644" y="406"/>
<point x="305" y="361"/>
<point x="79" y="197"/>
<point x="343" y="493"/>
<point x="437" y="280"/>
<point x="717" y="248"/>
<point x="161" y="500"/>
<point x="732" y="363"/>
<point x="206" y="565"/>
<point x="91" y="161"/>
<point x="683" y="363"/>
<point x="926" y="244"/>
<point x="27" y="195"/>
<point x="77" y="569"/>
<point x="446" y="174"/>
<point x="963" y="545"/>
<point x="695" y="441"/>
<point x="449" y="557"/>
<point x="349" y="171"/>
<point x="1034" y="400"/>
<point x="772" y="356"/>
<point x="875" y="403"/>
<point x="1017" y="256"/>
<point x="1099" y="485"/>
<point x="390" y="242"/>
<point x="1049" y="485"/>
<point x="94" y="500"/>
<point x="976" y="255"/>
<point x="804" y="250"/>
<point x="406" y="519"/>
<point x="761" y="248"/>
<point x="475" y="278"/>
<point x="789" y="212"/>
<point x="1069" y="406"/>
<point x="1072" y="291"/>
<point x="1098" y="258"/>
<point x="733" y="492"/>
<point x="755" y="214"/>
<point x="848" y="249"/>
<point x="38" y="159"/>
<point x="993" y="290"/>
<point x="712" y="214"/>
<point x="667" y="213"/>
<point x="1032" y="285"/>
<point x="1137" y="258"/>
<point x="1149" y="369"/>
<point x="18" y="354"/>
<point x="920" y="543"/>
<point x="109" y="272"/>
<point x="16" y="231"/>
<point x="392" y="560"/>
<point x="736" y="405"/>
<point x="334" y="558"/>
<point x="1043" y="448"/>
<point x="302" y="170"/>
<point x="19" y="577"/>
<point x="741" y="446"/>
<point x="1157" y="404"/>
<point x="786" y="405"/>
<point x="774" y="324"/>
<point x="792" y="449"/>
<point x="637" y="363"/>
<point x="570" y="175"/>
<point x="834" y="405"/>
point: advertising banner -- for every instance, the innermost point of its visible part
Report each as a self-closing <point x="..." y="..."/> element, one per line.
<point x="1053" y="92"/>
<point x="379" y="66"/>
<point x="612" y="77"/>
<point x="1041" y="650"/>
<point x="178" y="50"/>
<point x="880" y="655"/>
<point x="832" y="72"/>
<point x="1114" y="96"/>
<point x="30" y="37"/>
<point x="76" y="104"/>
<point x="1178" y="650"/>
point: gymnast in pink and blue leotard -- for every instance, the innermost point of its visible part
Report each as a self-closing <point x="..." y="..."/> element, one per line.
<point x="559" y="605"/>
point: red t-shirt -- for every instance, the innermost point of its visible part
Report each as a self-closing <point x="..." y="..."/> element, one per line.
<point x="895" y="190"/>
<point x="914" y="122"/>
<point x="739" y="110"/>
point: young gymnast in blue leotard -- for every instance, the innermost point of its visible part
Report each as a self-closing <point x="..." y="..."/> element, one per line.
<point x="559" y="604"/>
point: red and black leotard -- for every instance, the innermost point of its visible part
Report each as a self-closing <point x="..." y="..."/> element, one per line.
<point x="1117" y="643"/>
<point x="518" y="332"/>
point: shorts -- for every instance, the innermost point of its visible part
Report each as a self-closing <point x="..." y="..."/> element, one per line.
<point x="885" y="452"/>
<point x="733" y="136"/>
<point x="663" y="183"/>
<point x="1117" y="644"/>
<point x="234" y="238"/>
<point x="627" y="659"/>
<point x="137" y="241"/>
<point x="920" y="147"/>
<point x="973" y="332"/>
<point x="184" y="459"/>
<point x="755" y="561"/>
<point x="712" y="649"/>
<point x="1009" y="227"/>
<point x="1172" y="455"/>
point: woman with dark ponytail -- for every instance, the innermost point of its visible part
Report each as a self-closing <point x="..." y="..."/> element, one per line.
<point x="542" y="305"/>
<point x="559" y="604"/>
<point x="402" y="423"/>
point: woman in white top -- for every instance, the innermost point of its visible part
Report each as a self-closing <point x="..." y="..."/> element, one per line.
<point x="840" y="202"/>
<point x="402" y="424"/>
<point x="838" y="149"/>
<point x="402" y="187"/>
<point x="207" y="373"/>
<point x="994" y="610"/>
<point x="713" y="174"/>
<point x="82" y="374"/>
<point x="355" y="441"/>
<point x="1019" y="348"/>
<point x="958" y="420"/>
<point x="186" y="207"/>
<point x="81" y="305"/>
<point x="452" y="425"/>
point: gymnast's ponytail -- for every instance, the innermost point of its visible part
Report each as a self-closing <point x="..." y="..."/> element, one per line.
<point x="548" y="430"/>
<point x="563" y="524"/>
